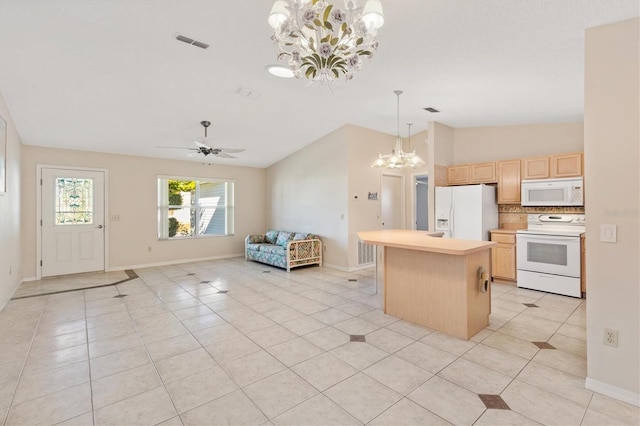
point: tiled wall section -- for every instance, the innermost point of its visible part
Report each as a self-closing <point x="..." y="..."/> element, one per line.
<point x="515" y="217"/>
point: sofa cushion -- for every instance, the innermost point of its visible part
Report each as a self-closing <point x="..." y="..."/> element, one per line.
<point x="254" y="246"/>
<point x="255" y="239"/>
<point x="272" y="249"/>
<point x="271" y="236"/>
<point x="283" y="238"/>
<point x="300" y="236"/>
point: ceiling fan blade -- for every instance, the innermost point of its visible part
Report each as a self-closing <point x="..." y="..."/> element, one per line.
<point x="176" y="147"/>
<point x="232" y="150"/>
<point x="201" y="144"/>
<point x="224" y="155"/>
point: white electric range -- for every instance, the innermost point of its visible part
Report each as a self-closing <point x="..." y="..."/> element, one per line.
<point x="548" y="253"/>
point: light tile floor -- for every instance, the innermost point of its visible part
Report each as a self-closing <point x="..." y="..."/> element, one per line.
<point x="236" y="342"/>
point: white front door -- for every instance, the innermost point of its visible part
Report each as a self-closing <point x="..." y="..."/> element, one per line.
<point x="392" y="202"/>
<point x="72" y="226"/>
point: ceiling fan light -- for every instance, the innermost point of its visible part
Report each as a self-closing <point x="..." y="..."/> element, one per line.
<point x="279" y="14"/>
<point x="372" y="14"/>
<point x="280" y="71"/>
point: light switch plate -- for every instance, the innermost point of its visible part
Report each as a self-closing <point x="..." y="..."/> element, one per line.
<point x="608" y="233"/>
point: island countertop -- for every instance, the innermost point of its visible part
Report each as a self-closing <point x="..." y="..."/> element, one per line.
<point x="422" y="241"/>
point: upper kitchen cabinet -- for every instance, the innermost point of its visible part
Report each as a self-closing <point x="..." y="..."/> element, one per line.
<point x="483" y="173"/>
<point x="552" y="166"/>
<point x="441" y="175"/>
<point x="535" y="168"/>
<point x="509" y="182"/>
<point x="566" y="165"/>
<point x="472" y="173"/>
<point x="458" y="175"/>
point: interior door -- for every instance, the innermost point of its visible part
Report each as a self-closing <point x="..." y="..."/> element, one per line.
<point x="72" y="225"/>
<point x="392" y="202"/>
<point x="422" y="202"/>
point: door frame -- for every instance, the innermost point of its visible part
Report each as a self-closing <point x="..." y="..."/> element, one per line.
<point x="403" y="198"/>
<point x="414" y="201"/>
<point x="38" y="223"/>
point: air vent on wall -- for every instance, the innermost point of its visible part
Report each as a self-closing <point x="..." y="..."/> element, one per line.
<point x="430" y="109"/>
<point x="191" y="41"/>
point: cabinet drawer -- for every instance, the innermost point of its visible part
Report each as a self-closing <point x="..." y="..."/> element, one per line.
<point x="503" y="238"/>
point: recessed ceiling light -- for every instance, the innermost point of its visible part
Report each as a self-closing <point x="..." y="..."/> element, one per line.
<point x="279" y="71"/>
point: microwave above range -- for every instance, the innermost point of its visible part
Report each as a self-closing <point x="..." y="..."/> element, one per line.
<point x="553" y="192"/>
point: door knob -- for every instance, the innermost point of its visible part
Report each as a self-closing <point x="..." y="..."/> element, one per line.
<point x="99" y="226"/>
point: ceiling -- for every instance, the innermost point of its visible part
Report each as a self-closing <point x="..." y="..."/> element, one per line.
<point x="109" y="76"/>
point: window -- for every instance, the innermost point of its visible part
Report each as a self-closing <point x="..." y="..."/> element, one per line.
<point x="194" y="208"/>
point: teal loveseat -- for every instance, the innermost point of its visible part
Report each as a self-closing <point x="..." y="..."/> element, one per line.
<point x="284" y="249"/>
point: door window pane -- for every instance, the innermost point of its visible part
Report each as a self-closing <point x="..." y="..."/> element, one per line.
<point x="73" y="201"/>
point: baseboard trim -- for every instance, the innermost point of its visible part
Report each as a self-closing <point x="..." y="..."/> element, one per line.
<point x="613" y="391"/>
<point x="346" y="269"/>
<point x="172" y="262"/>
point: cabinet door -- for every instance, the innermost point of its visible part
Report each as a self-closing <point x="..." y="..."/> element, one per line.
<point x="483" y="173"/>
<point x="457" y="175"/>
<point x="509" y="182"/>
<point x="441" y="175"/>
<point x="503" y="261"/>
<point x="566" y="165"/>
<point x="535" y="168"/>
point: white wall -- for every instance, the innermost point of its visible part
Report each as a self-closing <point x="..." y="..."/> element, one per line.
<point x="441" y="145"/>
<point x="307" y="192"/>
<point x="612" y="184"/>
<point x="10" y="213"/>
<point x="480" y="144"/>
<point x="132" y="194"/>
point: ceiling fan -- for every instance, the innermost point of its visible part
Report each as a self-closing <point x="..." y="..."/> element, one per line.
<point x="204" y="149"/>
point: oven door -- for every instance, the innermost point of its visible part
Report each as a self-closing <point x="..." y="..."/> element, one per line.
<point x="550" y="254"/>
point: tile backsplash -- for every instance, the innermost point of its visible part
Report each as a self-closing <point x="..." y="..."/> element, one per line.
<point x="515" y="217"/>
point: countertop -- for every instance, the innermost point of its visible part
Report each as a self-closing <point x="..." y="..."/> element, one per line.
<point x="422" y="241"/>
<point x="504" y="231"/>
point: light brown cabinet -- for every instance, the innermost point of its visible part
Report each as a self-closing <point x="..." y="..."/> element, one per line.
<point x="503" y="256"/>
<point x="552" y="166"/>
<point x="509" y="182"/>
<point x="440" y="175"/>
<point x="483" y="173"/>
<point x="458" y="175"/>
<point x="472" y="173"/>
<point x="566" y="165"/>
<point x="535" y="168"/>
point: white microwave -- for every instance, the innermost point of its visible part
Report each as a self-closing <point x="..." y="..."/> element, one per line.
<point x="553" y="192"/>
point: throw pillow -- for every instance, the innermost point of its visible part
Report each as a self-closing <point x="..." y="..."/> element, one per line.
<point x="271" y="236"/>
<point x="283" y="238"/>
<point x="300" y="236"/>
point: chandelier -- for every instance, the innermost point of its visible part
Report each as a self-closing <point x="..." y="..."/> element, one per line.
<point x="398" y="158"/>
<point x="322" y="41"/>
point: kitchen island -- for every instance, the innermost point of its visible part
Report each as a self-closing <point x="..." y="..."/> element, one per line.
<point x="435" y="282"/>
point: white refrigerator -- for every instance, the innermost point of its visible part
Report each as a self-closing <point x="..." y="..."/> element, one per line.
<point x="466" y="212"/>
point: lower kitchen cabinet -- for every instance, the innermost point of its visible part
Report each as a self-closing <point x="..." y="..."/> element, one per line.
<point x="503" y="256"/>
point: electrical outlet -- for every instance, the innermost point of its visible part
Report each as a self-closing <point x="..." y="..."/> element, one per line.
<point x="611" y="337"/>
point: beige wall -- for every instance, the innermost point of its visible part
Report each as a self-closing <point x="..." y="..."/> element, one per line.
<point x="612" y="184"/>
<point x="132" y="194"/>
<point x="307" y="192"/>
<point x="10" y="213"/>
<point x="480" y="144"/>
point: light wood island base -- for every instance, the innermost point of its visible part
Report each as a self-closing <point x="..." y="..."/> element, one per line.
<point x="434" y="282"/>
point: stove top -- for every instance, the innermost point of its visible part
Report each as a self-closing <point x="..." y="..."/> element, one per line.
<point x="570" y="225"/>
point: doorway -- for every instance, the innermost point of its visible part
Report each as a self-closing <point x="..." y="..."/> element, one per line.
<point x="72" y="217"/>
<point x="392" y="202"/>
<point x="422" y="202"/>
